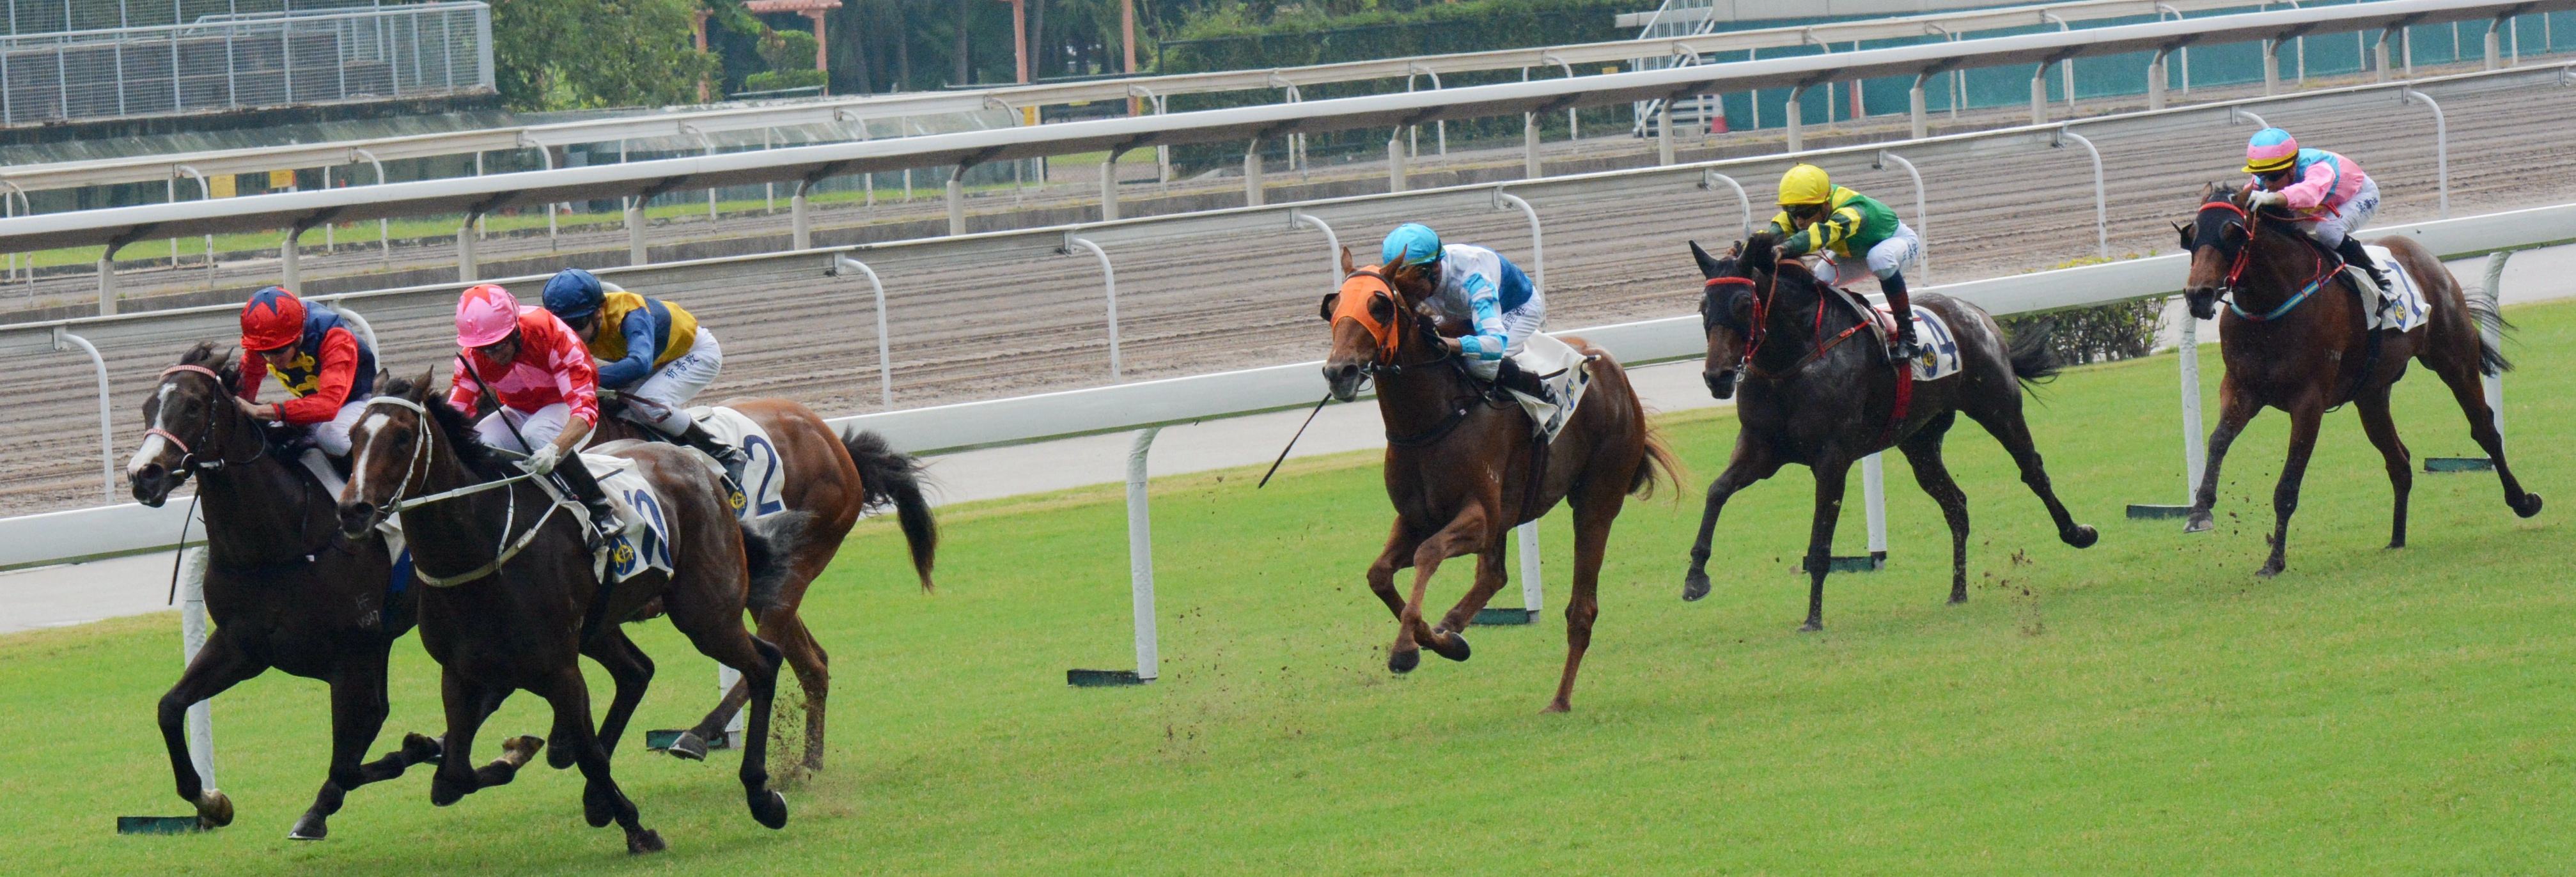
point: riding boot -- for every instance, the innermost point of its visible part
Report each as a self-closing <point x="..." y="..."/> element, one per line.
<point x="2353" y="254"/>
<point x="734" y="460"/>
<point x="577" y="480"/>
<point x="1902" y="308"/>
<point x="1509" y="376"/>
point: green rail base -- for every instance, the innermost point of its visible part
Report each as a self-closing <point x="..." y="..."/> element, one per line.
<point x="1102" y="678"/>
<point x="2139" y="512"/>
<point x="2458" y="464"/>
<point x="1877" y="560"/>
<point x="661" y="740"/>
<point x="157" y="825"/>
<point x="1505" y="617"/>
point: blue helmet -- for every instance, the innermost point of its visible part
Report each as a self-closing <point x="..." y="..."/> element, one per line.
<point x="1410" y="244"/>
<point x="573" y="293"/>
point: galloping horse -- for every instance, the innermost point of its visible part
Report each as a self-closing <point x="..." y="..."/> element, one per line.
<point x="282" y="588"/>
<point x="513" y="600"/>
<point x="1809" y="398"/>
<point x="832" y="479"/>
<point x="1458" y="465"/>
<point x="2287" y="348"/>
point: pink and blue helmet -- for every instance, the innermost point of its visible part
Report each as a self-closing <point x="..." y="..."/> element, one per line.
<point x="2272" y="150"/>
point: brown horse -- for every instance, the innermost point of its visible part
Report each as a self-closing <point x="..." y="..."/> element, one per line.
<point x="1458" y="464"/>
<point x="2289" y="348"/>
<point x="283" y="589"/>
<point x="1809" y="398"/>
<point x="513" y="599"/>
<point x="833" y="479"/>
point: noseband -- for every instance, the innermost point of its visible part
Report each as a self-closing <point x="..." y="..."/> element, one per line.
<point x="2252" y="223"/>
<point x="188" y="459"/>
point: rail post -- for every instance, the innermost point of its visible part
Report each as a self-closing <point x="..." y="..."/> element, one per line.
<point x="2101" y="204"/>
<point x="1440" y="128"/>
<point x="1915" y="125"/>
<point x="106" y="429"/>
<point x="1395" y="163"/>
<point x="1108" y="280"/>
<point x="1710" y="176"/>
<point x="192" y="639"/>
<point x="1140" y="574"/>
<point x="1109" y="186"/>
<point x="2494" y="383"/>
<point x="2187" y="359"/>
<point x="885" y="343"/>
<point x="2441" y="145"/>
<point x="384" y="226"/>
<point x="2066" y="67"/>
<point x="1922" y="212"/>
<point x="957" y="201"/>
<point x="2241" y="114"/>
<point x="1526" y="534"/>
<point x="1797" y="141"/>
<point x="1252" y="173"/>
<point x="1299" y="218"/>
<point x="800" y="217"/>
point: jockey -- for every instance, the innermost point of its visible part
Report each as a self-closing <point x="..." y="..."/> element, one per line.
<point x="1818" y="216"/>
<point x="652" y="352"/>
<point x="1477" y="286"/>
<point x="2325" y="190"/>
<point x="549" y="396"/>
<point x="327" y="372"/>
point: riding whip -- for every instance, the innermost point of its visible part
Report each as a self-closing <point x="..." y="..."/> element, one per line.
<point x="1292" y="441"/>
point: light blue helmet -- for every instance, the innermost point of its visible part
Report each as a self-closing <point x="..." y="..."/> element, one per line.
<point x="1410" y="244"/>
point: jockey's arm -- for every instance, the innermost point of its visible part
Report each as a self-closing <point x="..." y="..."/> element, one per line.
<point x="1817" y="237"/>
<point x="639" y="329"/>
<point x="2312" y="187"/>
<point x="333" y="376"/>
<point x="576" y="381"/>
<point x="1484" y="298"/>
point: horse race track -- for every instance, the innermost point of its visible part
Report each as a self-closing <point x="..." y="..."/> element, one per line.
<point x="2147" y="706"/>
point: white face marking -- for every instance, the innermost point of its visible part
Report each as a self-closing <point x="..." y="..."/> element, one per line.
<point x="151" y="448"/>
<point x="367" y="427"/>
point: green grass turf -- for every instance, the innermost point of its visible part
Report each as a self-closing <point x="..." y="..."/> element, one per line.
<point x="2147" y="706"/>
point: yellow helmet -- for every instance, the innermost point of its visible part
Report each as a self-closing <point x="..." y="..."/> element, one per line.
<point x="1805" y="184"/>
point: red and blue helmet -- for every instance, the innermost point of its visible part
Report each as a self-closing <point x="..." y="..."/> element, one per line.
<point x="274" y="318"/>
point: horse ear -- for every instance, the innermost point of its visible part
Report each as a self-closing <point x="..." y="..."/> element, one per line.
<point x="229" y="366"/>
<point x="420" y="389"/>
<point x="1348" y="268"/>
<point x="1708" y="268"/>
<point x="2183" y="232"/>
<point x="1333" y="298"/>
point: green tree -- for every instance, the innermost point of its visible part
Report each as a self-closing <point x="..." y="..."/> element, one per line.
<point x="571" y="54"/>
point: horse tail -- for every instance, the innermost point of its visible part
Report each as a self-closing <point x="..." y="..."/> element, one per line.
<point x="769" y="550"/>
<point x="2032" y="360"/>
<point x="1659" y="464"/>
<point x="2491" y="326"/>
<point x="888" y="477"/>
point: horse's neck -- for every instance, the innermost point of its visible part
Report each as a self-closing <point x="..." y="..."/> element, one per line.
<point x="459" y="531"/>
<point x="1795" y="331"/>
<point x="259" y="513"/>
<point x="2278" y="267"/>
<point x="1418" y="398"/>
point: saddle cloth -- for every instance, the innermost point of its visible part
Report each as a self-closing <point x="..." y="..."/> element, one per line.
<point x="1561" y="368"/>
<point x="643" y="543"/>
<point x="319" y="466"/>
<point x="2402" y="308"/>
<point x="1940" y="357"/>
<point x="764" y="478"/>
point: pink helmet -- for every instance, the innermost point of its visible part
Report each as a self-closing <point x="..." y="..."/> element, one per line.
<point x="486" y="314"/>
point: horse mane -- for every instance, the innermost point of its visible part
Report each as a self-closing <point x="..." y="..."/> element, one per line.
<point x="453" y="426"/>
<point x="203" y="355"/>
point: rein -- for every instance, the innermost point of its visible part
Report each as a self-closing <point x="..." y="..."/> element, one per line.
<point x="188" y="459"/>
<point x="1389" y="335"/>
<point x="505" y="548"/>
<point x="2252" y="223"/>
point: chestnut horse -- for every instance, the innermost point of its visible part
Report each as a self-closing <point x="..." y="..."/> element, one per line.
<point x="1810" y="398"/>
<point x="283" y="589"/>
<point x="2303" y="353"/>
<point x="833" y="479"/>
<point x="1458" y="464"/>
<point x="512" y="600"/>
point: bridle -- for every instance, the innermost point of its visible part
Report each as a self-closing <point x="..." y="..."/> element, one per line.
<point x="189" y="462"/>
<point x="2227" y="285"/>
<point x="1763" y="304"/>
<point x="1389" y="334"/>
<point x="422" y="453"/>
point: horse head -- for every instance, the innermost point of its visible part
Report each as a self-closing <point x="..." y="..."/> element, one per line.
<point x="190" y="425"/>
<point x="391" y="452"/>
<point x="1375" y="328"/>
<point x="2216" y="241"/>
<point x="1728" y="312"/>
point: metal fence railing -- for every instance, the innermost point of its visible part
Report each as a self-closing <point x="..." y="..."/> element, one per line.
<point x="226" y="61"/>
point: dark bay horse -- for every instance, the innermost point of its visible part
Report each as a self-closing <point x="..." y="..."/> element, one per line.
<point x="832" y="479"/>
<point x="511" y="599"/>
<point x="283" y="588"/>
<point x="2289" y="348"/>
<point x="1809" y="398"/>
<point x="1458" y="465"/>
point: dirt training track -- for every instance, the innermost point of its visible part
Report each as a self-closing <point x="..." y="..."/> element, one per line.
<point x="1201" y="303"/>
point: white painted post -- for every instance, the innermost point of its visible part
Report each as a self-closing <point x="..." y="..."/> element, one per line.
<point x="1533" y="596"/>
<point x="106" y="426"/>
<point x="725" y="678"/>
<point x="1140" y="553"/>
<point x="1109" y="188"/>
<point x="1252" y="173"/>
<point x="1664" y="132"/>
<point x="2039" y="95"/>
<point x="635" y="254"/>
<point x="800" y="218"/>
<point x="1873" y="491"/>
<point x="106" y="281"/>
<point x="1529" y="145"/>
<point x="1745" y="201"/>
<point x="1797" y="139"/>
<point x="466" y="269"/>
<point x="957" y="201"/>
<point x="2271" y="67"/>
<point x="1395" y="164"/>
<point x="1922" y="213"/>
<point x="2441" y="146"/>
<point x="1916" y="127"/>
<point x="2156" y="81"/>
<point x="2101" y="202"/>
<point x="1332" y="242"/>
<point x="1109" y="280"/>
<point x="288" y="264"/>
<point x="192" y="639"/>
<point x="885" y="349"/>
<point x="2188" y="353"/>
<point x="2493" y="339"/>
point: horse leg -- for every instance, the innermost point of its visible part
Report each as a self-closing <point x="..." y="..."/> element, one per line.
<point x="632" y="671"/>
<point x="1923" y="450"/>
<point x="220" y="665"/>
<point x="1398" y="555"/>
<point x="2373" y="406"/>
<point x="2471" y="394"/>
<point x="1831" y="473"/>
<point x="358" y="711"/>
<point x="2285" y="496"/>
<point x="1582" y="600"/>
<point x="467" y="704"/>
<point x="2006" y="424"/>
<point x="600" y="798"/>
<point x="1449" y="640"/>
<point x="813" y="673"/>
<point x="1451" y="541"/>
<point x="1752" y="462"/>
<point x="2235" y="408"/>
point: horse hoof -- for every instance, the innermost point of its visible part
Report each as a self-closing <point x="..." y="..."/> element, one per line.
<point x="2269" y="570"/>
<point x="769" y="808"/>
<point x="1557" y="707"/>
<point x="646" y="841"/>
<point x="1458" y="650"/>
<point x="1404" y="661"/>
<point x="1956" y="599"/>
<point x="2082" y="536"/>
<point x="1811" y="627"/>
<point x="443" y="793"/>
<point x="688" y="746"/>
<point x="2199" y="523"/>
<point x="312" y="827"/>
<point x="214" y="810"/>
<point x="2529" y="506"/>
<point x="420" y="749"/>
<point x="1694" y="586"/>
